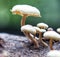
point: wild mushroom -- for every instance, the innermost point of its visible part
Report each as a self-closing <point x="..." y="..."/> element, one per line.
<point x="28" y="29"/>
<point x="42" y="25"/>
<point x="25" y="11"/>
<point x="52" y="35"/>
<point x="53" y="53"/>
<point x="50" y="29"/>
<point x="58" y="30"/>
<point x="40" y="31"/>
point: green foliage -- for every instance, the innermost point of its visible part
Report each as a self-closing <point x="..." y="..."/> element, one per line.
<point x="49" y="10"/>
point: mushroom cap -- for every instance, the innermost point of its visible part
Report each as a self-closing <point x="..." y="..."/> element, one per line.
<point x="58" y="30"/>
<point x="25" y="9"/>
<point x="53" y="53"/>
<point x="40" y="30"/>
<point x="42" y="25"/>
<point x="50" y="29"/>
<point x="51" y="34"/>
<point x="28" y="28"/>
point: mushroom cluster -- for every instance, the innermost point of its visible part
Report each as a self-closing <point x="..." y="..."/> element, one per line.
<point x="42" y="29"/>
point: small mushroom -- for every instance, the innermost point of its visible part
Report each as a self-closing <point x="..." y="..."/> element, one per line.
<point x="30" y="30"/>
<point x="40" y="31"/>
<point x="50" y="29"/>
<point x="53" y="53"/>
<point x="42" y="25"/>
<point x="58" y="30"/>
<point x="25" y="11"/>
<point x="52" y="35"/>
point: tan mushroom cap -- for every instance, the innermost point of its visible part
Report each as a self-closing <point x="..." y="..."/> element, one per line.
<point x="25" y="9"/>
<point x="52" y="34"/>
<point x="28" y="28"/>
<point x="53" y="53"/>
<point x="42" y="25"/>
<point x="58" y="30"/>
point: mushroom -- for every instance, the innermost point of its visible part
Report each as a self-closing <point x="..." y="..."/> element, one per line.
<point x="50" y="29"/>
<point x="42" y="25"/>
<point x="52" y="35"/>
<point x="28" y="30"/>
<point x="53" y="53"/>
<point x="58" y="30"/>
<point x="40" y="31"/>
<point x="25" y="11"/>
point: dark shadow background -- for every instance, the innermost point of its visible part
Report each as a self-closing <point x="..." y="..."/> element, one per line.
<point x="9" y="23"/>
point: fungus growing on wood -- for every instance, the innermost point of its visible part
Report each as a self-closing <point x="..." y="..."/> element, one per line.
<point x="52" y="35"/>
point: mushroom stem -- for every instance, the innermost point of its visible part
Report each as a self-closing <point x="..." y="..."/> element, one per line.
<point x="34" y="41"/>
<point x="51" y="40"/>
<point x="41" y="41"/>
<point x="25" y="33"/>
<point x="23" y="19"/>
<point x="40" y="37"/>
<point x="45" y="44"/>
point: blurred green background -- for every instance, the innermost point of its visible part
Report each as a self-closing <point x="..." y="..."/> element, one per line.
<point x="50" y="12"/>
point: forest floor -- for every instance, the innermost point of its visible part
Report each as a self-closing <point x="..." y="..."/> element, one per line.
<point x="19" y="46"/>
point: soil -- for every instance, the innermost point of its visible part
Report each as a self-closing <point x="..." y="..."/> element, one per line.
<point x="19" y="46"/>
